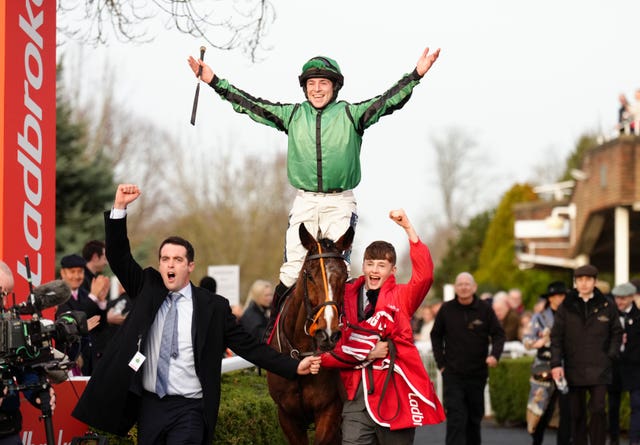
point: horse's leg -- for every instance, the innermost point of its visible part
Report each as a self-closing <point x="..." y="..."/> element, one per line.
<point x="328" y="425"/>
<point x="294" y="431"/>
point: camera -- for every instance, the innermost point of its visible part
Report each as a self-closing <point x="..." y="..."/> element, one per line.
<point x="30" y="342"/>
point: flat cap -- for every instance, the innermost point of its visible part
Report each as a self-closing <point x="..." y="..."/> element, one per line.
<point x="586" y="271"/>
<point x="624" y="290"/>
<point x="69" y="261"/>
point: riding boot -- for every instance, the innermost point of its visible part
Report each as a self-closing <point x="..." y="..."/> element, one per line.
<point x="280" y="294"/>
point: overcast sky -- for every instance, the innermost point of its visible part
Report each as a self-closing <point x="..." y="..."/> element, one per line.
<point x="523" y="79"/>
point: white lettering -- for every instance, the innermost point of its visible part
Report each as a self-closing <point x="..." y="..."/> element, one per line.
<point x="31" y="169"/>
<point x="35" y="151"/>
<point x="30" y="144"/>
<point x="31" y="214"/>
<point x="416" y="415"/>
<point x="32" y="53"/>
<point x="36" y="273"/>
<point x="30" y="103"/>
<point x="31" y="27"/>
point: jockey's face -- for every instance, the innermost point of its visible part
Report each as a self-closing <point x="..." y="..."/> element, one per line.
<point x="174" y="266"/>
<point x="376" y="273"/>
<point x="319" y="91"/>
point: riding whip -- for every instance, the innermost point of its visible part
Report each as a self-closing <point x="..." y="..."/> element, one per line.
<point x="195" y="98"/>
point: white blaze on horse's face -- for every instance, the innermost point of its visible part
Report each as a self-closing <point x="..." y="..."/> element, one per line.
<point x="328" y="309"/>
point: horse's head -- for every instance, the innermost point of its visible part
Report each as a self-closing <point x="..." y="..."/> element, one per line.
<point x="322" y="282"/>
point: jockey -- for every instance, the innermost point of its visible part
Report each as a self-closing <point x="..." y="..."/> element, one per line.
<point x="324" y="141"/>
<point x="377" y="347"/>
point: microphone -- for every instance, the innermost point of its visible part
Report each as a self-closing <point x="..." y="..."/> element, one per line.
<point x="52" y="294"/>
<point x="45" y="296"/>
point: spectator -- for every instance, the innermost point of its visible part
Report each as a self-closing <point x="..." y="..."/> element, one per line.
<point x="634" y="113"/>
<point x="257" y="308"/>
<point x="508" y="318"/>
<point x="181" y="331"/>
<point x="626" y="375"/>
<point x="624" y="115"/>
<point x="426" y="314"/>
<point x="463" y="330"/>
<point x="117" y="310"/>
<point x="585" y="338"/>
<point x="209" y="283"/>
<point x="544" y="395"/>
<point x="96" y="262"/>
<point x="514" y="298"/>
<point x="93" y="304"/>
<point x="636" y="297"/>
<point x="525" y="322"/>
<point x="371" y="413"/>
<point x="324" y="145"/>
<point x="10" y="416"/>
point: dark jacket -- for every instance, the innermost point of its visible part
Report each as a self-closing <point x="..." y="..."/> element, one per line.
<point x="585" y="338"/>
<point x="112" y="398"/>
<point x="87" y="346"/>
<point x="629" y="362"/>
<point x="254" y="320"/>
<point x="461" y="336"/>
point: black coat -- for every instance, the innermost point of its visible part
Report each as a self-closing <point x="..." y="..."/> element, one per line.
<point x="112" y="398"/>
<point x="629" y="363"/>
<point x="585" y="338"/>
<point x="461" y="336"/>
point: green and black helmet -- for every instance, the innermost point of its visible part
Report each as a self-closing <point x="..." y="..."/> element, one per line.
<point x="322" y="67"/>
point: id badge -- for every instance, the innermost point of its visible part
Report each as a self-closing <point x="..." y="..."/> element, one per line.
<point x="137" y="361"/>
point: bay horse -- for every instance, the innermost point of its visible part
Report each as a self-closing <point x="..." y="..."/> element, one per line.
<point x="309" y="323"/>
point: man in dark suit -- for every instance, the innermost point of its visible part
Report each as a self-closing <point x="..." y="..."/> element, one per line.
<point x="93" y="303"/>
<point x="178" y="405"/>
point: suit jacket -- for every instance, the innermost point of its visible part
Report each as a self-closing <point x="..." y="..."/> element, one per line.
<point x="87" y="345"/>
<point x="112" y="398"/>
<point x="630" y="356"/>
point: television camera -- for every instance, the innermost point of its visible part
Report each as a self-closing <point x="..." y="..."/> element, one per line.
<point x="27" y="342"/>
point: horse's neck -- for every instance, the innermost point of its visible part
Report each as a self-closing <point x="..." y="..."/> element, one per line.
<point x="294" y="323"/>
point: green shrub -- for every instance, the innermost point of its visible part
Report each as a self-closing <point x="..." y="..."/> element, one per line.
<point x="248" y="415"/>
<point x="509" y="389"/>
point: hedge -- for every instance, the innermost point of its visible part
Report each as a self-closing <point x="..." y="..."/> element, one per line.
<point x="509" y="391"/>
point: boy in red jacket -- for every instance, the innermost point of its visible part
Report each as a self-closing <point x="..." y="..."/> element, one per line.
<point x="388" y="390"/>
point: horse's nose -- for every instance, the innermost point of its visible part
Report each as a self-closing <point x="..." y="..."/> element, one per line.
<point x="323" y="340"/>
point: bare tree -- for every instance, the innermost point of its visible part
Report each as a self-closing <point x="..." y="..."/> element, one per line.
<point x="455" y="164"/>
<point x="224" y="24"/>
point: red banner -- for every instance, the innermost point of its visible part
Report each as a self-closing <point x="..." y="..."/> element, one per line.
<point x="65" y="427"/>
<point x="28" y="138"/>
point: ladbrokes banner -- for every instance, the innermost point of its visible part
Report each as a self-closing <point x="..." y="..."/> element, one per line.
<point x="27" y="136"/>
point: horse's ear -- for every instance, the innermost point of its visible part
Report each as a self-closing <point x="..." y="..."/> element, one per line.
<point x="344" y="243"/>
<point x="306" y="239"/>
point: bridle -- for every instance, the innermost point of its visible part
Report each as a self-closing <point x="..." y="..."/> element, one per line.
<point x="313" y="313"/>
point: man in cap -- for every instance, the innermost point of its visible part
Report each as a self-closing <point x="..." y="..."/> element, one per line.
<point x="538" y="336"/>
<point x="324" y="142"/>
<point x="93" y="304"/>
<point x="626" y="375"/>
<point x="585" y="339"/>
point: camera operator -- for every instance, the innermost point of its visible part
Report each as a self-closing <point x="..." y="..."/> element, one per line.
<point x="10" y="417"/>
